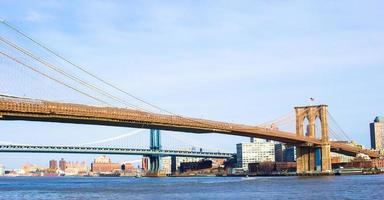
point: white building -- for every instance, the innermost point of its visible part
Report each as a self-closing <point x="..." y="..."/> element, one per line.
<point x="259" y="150"/>
<point x="166" y="164"/>
<point x="2" y="170"/>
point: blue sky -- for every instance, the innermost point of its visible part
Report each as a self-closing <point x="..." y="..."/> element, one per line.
<point x="238" y="61"/>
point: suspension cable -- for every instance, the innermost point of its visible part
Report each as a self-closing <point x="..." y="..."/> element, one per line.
<point x="113" y="138"/>
<point x="72" y="77"/>
<point x="339" y="127"/>
<point x="87" y="72"/>
<point x="51" y="78"/>
<point x="190" y="141"/>
<point x="98" y="78"/>
<point x="334" y="134"/>
<point x="277" y="121"/>
<point x="82" y="68"/>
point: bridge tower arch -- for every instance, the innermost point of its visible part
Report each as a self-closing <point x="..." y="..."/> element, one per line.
<point x="311" y="158"/>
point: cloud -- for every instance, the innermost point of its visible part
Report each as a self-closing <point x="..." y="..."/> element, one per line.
<point x="33" y="16"/>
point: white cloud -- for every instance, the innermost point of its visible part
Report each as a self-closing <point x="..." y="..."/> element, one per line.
<point x="33" y="16"/>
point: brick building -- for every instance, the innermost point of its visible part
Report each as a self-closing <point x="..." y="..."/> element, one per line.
<point x="53" y="164"/>
<point x="103" y="164"/>
<point x="268" y="167"/>
<point x="62" y="164"/>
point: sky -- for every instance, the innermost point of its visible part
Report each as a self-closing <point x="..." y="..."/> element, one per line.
<point x="238" y="61"/>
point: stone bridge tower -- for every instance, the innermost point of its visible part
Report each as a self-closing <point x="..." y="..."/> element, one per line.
<point x="312" y="158"/>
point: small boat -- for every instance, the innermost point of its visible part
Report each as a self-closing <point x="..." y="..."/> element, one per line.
<point x="138" y="174"/>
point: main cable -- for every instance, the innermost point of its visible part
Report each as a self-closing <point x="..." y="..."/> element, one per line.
<point x="82" y="68"/>
<point x="339" y="127"/>
<point x="98" y="78"/>
<point x="51" y="78"/>
<point x="74" y="78"/>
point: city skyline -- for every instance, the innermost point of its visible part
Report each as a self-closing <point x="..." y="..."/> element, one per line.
<point x="161" y="49"/>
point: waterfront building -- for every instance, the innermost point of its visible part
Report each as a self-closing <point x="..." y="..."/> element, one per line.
<point x="53" y="165"/>
<point x="2" y="170"/>
<point x="166" y="164"/>
<point x="290" y="154"/>
<point x="361" y="161"/>
<point x="269" y="168"/>
<point x="218" y="162"/>
<point x="75" y="168"/>
<point x="103" y="164"/>
<point x="285" y="153"/>
<point x="377" y="133"/>
<point x="259" y="150"/>
<point x="28" y="168"/>
<point x="62" y="164"/>
<point x="145" y="163"/>
<point x="193" y="166"/>
<point x="340" y="158"/>
<point x="176" y="161"/>
<point x="279" y="152"/>
<point x="128" y="169"/>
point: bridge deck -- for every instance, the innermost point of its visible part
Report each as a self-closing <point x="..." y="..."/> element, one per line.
<point x="37" y="110"/>
<point x="107" y="150"/>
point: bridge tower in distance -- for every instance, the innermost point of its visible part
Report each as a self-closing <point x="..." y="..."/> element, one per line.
<point x="311" y="158"/>
<point x="155" y="144"/>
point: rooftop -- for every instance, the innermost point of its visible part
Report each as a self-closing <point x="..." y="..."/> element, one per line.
<point x="379" y="119"/>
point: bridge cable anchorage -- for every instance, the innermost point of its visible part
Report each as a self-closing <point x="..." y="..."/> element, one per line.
<point x="102" y="80"/>
<point x="51" y="78"/>
<point x="68" y="75"/>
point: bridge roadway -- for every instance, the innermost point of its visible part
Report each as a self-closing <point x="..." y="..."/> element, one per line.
<point x="15" y="108"/>
<point x="107" y="150"/>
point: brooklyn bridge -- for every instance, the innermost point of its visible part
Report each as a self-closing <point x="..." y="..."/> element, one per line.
<point x="312" y="145"/>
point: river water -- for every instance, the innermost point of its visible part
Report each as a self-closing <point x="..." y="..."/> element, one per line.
<point x="332" y="187"/>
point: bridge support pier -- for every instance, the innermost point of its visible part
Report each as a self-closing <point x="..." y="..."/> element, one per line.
<point x="326" y="164"/>
<point x="310" y="158"/>
<point x="155" y="162"/>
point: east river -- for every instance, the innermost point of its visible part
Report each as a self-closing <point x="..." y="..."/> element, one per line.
<point x="332" y="187"/>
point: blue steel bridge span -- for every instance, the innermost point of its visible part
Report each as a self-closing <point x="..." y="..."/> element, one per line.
<point x="108" y="150"/>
